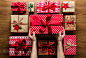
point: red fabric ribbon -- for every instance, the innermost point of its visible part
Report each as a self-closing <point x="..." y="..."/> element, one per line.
<point x="65" y="5"/>
<point x="70" y="22"/>
<point x="19" y="6"/>
<point x="44" y="24"/>
<point x="20" y="46"/>
<point x="17" y="24"/>
<point x="51" y="48"/>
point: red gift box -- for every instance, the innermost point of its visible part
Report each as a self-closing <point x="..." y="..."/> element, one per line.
<point x="48" y="7"/>
<point x="20" y="46"/>
<point x="47" y="47"/>
<point x="18" y="6"/>
<point x="70" y="45"/>
<point x="46" y="24"/>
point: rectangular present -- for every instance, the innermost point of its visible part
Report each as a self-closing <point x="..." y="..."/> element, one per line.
<point x="19" y="23"/>
<point x="68" y="6"/>
<point x="19" y="6"/>
<point x="46" y="24"/>
<point x="48" y="6"/>
<point x="70" y="45"/>
<point x="47" y="47"/>
<point x="31" y="6"/>
<point x="20" y="46"/>
<point x="70" y="22"/>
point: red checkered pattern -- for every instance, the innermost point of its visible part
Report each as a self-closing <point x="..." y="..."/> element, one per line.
<point x="12" y="41"/>
<point x="16" y="9"/>
<point x="41" y="4"/>
<point x="72" y="50"/>
<point x="54" y="18"/>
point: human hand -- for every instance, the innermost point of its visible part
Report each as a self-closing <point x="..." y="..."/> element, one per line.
<point x="33" y="37"/>
<point x="60" y="37"/>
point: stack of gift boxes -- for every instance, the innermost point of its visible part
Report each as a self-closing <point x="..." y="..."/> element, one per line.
<point x="45" y="23"/>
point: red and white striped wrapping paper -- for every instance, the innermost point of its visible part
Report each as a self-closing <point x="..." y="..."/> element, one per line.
<point x="13" y="39"/>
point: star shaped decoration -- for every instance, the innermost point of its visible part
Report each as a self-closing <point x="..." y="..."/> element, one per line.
<point x="65" y="5"/>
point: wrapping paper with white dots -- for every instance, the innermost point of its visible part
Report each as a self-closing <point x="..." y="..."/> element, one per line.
<point x="71" y="50"/>
<point x="12" y="41"/>
<point x="54" y="19"/>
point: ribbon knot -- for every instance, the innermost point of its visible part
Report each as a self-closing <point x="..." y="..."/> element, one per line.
<point x="70" y="22"/>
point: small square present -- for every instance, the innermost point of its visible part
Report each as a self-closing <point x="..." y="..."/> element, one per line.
<point x="70" y="45"/>
<point x="20" y="46"/>
<point x="47" y="47"/>
<point x="70" y="22"/>
<point x="19" y="23"/>
<point x="68" y="6"/>
<point x="48" y="6"/>
<point x="31" y="6"/>
<point x="46" y="24"/>
<point x="19" y="6"/>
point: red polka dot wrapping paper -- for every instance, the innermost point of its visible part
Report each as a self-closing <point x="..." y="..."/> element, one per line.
<point x="21" y="3"/>
<point x="72" y="40"/>
<point x="41" y="4"/>
<point x="13" y="40"/>
<point x="47" y="47"/>
<point x="54" y="19"/>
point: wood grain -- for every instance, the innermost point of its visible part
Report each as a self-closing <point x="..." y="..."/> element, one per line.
<point x="5" y="18"/>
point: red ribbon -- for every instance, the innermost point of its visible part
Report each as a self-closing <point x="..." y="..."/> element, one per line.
<point x="44" y="24"/>
<point x="70" y="22"/>
<point x="20" y="7"/>
<point x="17" y="24"/>
<point x="65" y="5"/>
<point x="20" y="46"/>
<point x="50" y="48"/>
<point x="52" y="6"/>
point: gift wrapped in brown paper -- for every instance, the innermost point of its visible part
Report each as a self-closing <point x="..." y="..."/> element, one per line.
<point x="19" y="23"/>
<point x="68" y="6"/>
<point x="70" y="22"/>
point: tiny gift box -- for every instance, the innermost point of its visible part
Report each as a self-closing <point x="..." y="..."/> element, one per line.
<point x="19" y="6"/>
<point x="68" y="6"/>
<point x="46" y="24"/>
<point x="70" y="22"/>
<point x="20" y="46"/>
<point x="48" y="6"/>
<point x="70" y="45"/>
<point x="47" y="47"/>
<point x="31" y="6"/>
<point x="19" y="23"/>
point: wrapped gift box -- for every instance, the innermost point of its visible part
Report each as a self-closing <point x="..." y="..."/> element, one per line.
<point x="47" y="47"/>
<point x="31" y="6"/>
<point x="18" y="6"/>
<point x="46" y="24"/>
<point x="48" y="7"/>
<point x="20" y="46"/>
<point x="70" y="22"/>
<point x="68" y="6"/>
<point x="19" y="23"/>
<point x="70" y="45"/>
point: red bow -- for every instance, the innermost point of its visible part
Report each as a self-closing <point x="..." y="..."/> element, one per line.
<point x="45" y="24"/>
<point x="20" y="46"/>
<point x="70" y="22"/>
<point x="65" y="5"/>
<point x="19" y="6"/>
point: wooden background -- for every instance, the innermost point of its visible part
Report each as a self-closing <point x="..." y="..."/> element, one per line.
<point x="5" y="19"/>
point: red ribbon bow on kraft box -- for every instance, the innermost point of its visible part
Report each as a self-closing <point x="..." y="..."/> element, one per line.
<point x="48" y="7"/>
<point x="18" y="6"/>
<point x="46" y="24"/>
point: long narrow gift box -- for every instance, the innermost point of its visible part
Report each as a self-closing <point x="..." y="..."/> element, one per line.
<point x="47" y="47"/>
<point x="19" y="6"/>
<point x="48" y="6"/>
<point x="20" y="46"/>
<point x="19" y="23"/>
<point x="70" y="45"/>
<point x="70" y="22"/>
<point x="68" y="6"/>
<point x="46" y="24"/>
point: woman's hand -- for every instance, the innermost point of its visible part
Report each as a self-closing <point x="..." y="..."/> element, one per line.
<point x="60" y="37"/>
<point x="33" y="37"/>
